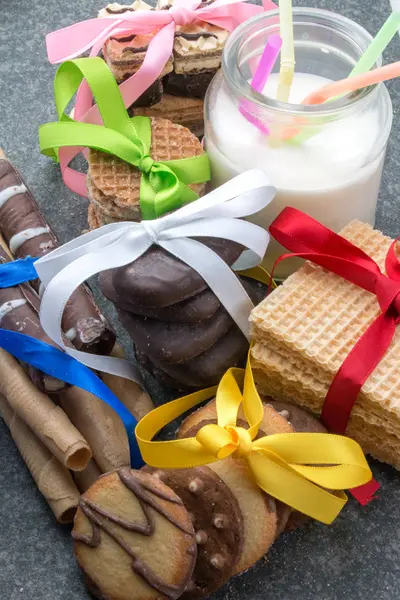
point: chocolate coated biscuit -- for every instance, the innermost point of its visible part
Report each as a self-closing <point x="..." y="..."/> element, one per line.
<point x="197" y="308"/>
<point x="175" y="342"/>
<point x="218" y="523"/>
<point x="207" y="368"/>
<point x="158" y="279"/>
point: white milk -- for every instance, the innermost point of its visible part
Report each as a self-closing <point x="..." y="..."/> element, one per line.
<point x="334" y="176"/>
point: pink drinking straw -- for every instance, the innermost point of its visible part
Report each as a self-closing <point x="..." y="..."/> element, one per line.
<point x="260" y="77"/>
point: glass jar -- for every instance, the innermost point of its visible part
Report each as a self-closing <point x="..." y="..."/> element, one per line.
<point x="325" y="159"/>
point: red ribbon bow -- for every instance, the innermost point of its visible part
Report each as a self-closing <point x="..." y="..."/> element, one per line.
<point x="308" y="239"/>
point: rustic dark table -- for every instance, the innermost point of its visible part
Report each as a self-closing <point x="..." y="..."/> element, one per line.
<point x="358" y="556"/>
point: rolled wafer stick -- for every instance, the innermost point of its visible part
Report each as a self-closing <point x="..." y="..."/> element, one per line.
<point x="47" y="421"/>
<point x="100" y="426"/>
<point x="136" y="400"/>
<point x="54" y="481"/>
<point x="19" y="311"/>
<point x="27" y="233"/>
<point x="86" y="478"/>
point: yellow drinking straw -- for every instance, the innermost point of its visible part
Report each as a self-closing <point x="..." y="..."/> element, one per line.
<point x="287" y="51"/>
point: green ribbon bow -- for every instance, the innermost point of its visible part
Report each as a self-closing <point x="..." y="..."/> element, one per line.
<point x="163" y="185"/>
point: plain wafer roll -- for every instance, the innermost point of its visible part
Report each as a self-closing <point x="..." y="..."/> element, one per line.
<point x="53" y="480"/>
<point x="100" y="425"/>
<point x="86" y="478"/>
<point x="47" y="421"/>
<point x="136" y="400"/>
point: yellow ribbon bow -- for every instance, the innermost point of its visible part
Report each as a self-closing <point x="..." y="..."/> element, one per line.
<point x="292" y="467"/>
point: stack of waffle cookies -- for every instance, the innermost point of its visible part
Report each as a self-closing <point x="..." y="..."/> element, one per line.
<point x="114" y="185"/>
<point x="305" y="329"/>
<point x="178" y="93"/>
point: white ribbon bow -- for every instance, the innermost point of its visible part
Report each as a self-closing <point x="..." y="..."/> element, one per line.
<point x="217" y="214"/>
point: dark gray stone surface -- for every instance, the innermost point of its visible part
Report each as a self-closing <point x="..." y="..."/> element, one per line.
<point x="357" y="557"/>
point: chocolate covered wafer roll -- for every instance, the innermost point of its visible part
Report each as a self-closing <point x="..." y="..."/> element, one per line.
<point x="28" y="234"/>
<point x="19" y="311"/>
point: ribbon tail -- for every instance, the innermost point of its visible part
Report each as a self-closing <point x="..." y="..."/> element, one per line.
<point x="355" y="370"/>
<point x="157" y="55"/>
<point x="364" y="494"/>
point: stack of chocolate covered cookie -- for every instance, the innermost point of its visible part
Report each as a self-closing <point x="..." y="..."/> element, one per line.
<point x="179" y="91"/>
<point x="181" y="333"/>
<point x="181" y="533"/>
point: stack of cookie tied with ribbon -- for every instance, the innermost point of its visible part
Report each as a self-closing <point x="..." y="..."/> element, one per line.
<point x="214" y="500"/>
<point x="327" y="338"/>
<point x="180" y="329"/>
<point x="179" y="91"/>
<point x="163" y="57"/>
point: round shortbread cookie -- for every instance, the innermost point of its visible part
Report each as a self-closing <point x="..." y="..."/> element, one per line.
<point x="218" y="523"/>
<point x="303" y="422"/>
<point x="134" y="539"/>
<point x="258" y="509"/>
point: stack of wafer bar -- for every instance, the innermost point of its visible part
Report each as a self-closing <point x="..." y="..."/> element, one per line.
<point x="114" y="185"/>
<point x="306" y="328"/>
<point x="179" y="91"/>
<point x="27" y="233"/>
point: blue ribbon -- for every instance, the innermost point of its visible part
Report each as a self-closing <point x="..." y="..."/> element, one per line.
<point x="58" y="364"/>
<point x="18" y="271"/>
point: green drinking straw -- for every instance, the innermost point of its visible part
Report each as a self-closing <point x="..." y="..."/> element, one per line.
<point x="366" y="62"/>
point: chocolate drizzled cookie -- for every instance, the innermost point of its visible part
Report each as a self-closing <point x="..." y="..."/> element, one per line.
<point x="134" y="538"/>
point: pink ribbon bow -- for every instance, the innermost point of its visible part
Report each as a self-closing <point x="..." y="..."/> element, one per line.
<point x="71" y="42"/>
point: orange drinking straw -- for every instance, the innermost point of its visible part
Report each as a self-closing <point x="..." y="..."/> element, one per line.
<point x="351" y="84"/>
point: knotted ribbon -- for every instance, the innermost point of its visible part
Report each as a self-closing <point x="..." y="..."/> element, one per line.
<point x="311" y="240"/>
<point x="73" y="41"/>
<point x="216" y="215"/>
<point x="308" y="239"/>
<point x="163" y="185"/>
<point x="58" y="364"/>
<point x="294" y="467"/>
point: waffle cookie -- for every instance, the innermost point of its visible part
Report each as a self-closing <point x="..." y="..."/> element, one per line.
<point x="114" y="185"/>
<point x="124" y="54"/>
<point x="306" y="328"/>
<point x="187" y="112"/>
<point x="197" y="55"/>
<point x="134" y="538"/>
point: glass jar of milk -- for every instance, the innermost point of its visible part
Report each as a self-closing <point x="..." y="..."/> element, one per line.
<point x="332" y="167"/>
